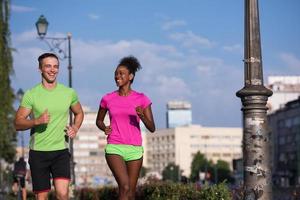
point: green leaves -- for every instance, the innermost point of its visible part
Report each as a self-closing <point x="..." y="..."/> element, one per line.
<point x="7" y="112"/>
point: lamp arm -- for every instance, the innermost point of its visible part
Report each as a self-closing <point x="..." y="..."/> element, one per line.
<point x="54" y="44"/>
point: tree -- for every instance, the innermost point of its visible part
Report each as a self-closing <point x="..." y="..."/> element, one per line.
<point x="199" y="163"/>
<point x="7" y="112"/>
<point x="171" y="172"/>
<point x="222" y="171"/>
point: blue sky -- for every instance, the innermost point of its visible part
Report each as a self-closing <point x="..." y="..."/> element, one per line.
<point x="190" y="50"/>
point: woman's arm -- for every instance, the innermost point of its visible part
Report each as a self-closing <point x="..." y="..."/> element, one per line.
<point x="147" y="117"/>
<point x="100" y="121"/>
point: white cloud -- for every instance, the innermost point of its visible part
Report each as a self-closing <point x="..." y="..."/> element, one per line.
<point x="172" y="87"/>
<point x="290" y="60"/>
<point x="25" y="37"/>
<point x="17" y="8"/>
<point x="173" y="23"/>
<point x="234" y="48"/>
<point x="189" y="39"/>
<point x="97" y="52"/>
<point x="93" y="16"/>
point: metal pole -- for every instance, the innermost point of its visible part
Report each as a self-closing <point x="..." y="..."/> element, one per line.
<point x="22" y="143"/>
<point x="254" y="96"/>
<point x="72" y="164"/>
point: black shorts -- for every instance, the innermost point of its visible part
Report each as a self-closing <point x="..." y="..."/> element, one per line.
<point x="22" y="180"/>
<point x="45" y="165"/>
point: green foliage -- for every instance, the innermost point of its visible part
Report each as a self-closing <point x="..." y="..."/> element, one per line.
<point x="171" y="172"/>
<point x="198" y="164"/>
<point x="216" y="192"/>
<point x="164" y="191"/>
<point x="223" y="171"/>
<point x="167" y="191"/>
<point x="7" y="132"/>
<point x="152" y="191"/>
<point x="219" y="171"/>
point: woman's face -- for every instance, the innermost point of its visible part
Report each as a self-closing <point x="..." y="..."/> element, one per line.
<point x="122" y="76"/>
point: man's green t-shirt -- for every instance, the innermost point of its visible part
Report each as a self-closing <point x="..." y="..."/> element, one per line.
<point x="51" y="136"/>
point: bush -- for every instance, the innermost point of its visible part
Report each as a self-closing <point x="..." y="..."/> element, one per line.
<point x="161" y="191"/>
<point x="216" y="192"/>
<point x="158" y="190"/>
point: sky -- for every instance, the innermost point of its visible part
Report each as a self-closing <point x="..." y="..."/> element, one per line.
<point x="189" y="50"/>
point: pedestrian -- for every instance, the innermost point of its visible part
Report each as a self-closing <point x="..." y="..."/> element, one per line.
<point x="126" y="108"/>
<point x="45" y="109"/>
<point x="19" y="175"/>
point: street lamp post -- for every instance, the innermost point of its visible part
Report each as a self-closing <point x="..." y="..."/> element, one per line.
<point x="20" y="95"/>
<point x="254" y="96"/>
<point x="54" y="44"/>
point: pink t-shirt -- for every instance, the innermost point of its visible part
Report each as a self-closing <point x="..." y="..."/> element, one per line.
<point x="124" y="120"/>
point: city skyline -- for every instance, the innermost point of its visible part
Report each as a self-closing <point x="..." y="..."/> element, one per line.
<point x="189" y="51"/>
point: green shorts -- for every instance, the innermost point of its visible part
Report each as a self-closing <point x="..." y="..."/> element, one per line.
<point x="127" y="152"/>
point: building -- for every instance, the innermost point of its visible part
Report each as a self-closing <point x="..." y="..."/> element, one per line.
<point x="285" y="136"/>
<point x="91" y="169"/>
<point x="285" y="89"/>
<point x="179" y="113"/>
<point x="179" y="145"/>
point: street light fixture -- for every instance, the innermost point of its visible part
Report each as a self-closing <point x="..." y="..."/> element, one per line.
<point x="54" y="44"/>
<point x="42" y="26"/>
<point x="20" y="95"/>
<point x="254" y="96"/>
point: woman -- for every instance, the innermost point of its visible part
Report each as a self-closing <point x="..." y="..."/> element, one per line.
<point x="126" y="107"/>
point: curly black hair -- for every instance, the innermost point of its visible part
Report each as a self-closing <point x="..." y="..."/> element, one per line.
<point x="131" y="63"/>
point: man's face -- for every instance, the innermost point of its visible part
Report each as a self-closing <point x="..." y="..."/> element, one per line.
<point x="49" y="69"/>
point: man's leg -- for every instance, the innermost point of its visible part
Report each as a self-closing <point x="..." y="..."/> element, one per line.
<point x="39" y="166"/>
<point x="41" y="196"/>
<point x="60" y="170"/>
<point x="61" y="188"/>
<point x="24" y="193"/>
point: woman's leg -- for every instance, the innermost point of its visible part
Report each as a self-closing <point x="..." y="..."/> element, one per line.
<point x="133" y="170"/>
<point x="119" y="170"/>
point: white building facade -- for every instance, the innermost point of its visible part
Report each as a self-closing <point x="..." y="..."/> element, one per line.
<point x="285" y="89"/>
<point x="179" y="145"/>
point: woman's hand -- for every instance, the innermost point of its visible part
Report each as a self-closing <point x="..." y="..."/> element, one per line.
<point x="140" y="112"/>
<point x="107" y="130"/>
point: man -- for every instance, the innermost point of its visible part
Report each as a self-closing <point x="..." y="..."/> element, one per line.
<point x="19" y="175"/>
<point x="48" y="104"/>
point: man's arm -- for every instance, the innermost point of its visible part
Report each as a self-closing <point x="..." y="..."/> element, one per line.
<point x="23" y="122"/>
<point x="78" y="118"/>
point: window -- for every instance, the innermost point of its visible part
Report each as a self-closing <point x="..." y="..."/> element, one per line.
<point x="93" y="153"/>
<point x="288" y="123"/>
<point x="281" y="140"/>
<point x="296" y="120"/>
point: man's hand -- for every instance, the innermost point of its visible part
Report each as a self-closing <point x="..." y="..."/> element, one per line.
<point x="71" y="131"/>
<point x="43" y="119"/>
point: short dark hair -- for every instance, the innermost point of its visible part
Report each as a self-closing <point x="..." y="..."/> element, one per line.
<point x="131" y="63"/>
<point x="46" y="55"/>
